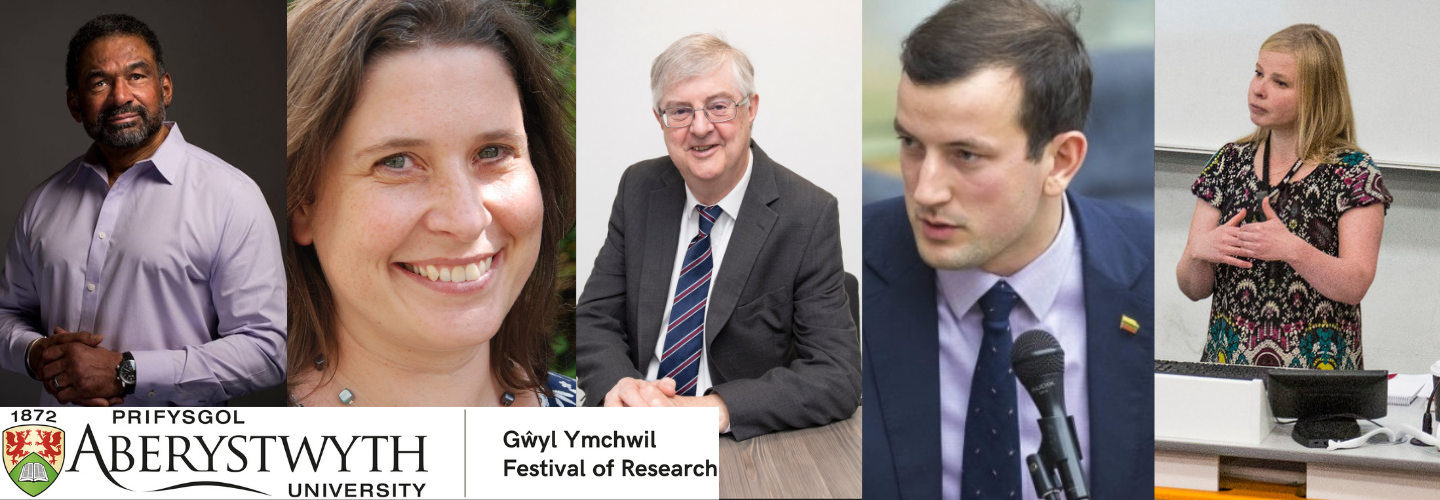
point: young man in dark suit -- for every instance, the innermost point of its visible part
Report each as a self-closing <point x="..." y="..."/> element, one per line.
<point x="987" y="244"/>
<point x="720" y="281"/>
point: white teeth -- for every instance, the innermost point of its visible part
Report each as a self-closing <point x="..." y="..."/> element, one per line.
<point x="455" y="274"/>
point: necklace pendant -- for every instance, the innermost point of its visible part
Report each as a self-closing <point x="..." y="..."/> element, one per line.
<point x="347" y="397"/>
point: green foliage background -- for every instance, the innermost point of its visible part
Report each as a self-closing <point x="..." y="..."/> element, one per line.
<point x="557" y="31"/>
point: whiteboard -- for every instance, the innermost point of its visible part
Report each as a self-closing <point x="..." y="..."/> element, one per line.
<point x="1205" y="56"/>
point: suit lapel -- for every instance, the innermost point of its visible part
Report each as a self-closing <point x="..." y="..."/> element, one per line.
<point x="1119" y="362"/>
<point x="662" y="234"/>
<point x="752" y="228"/>
<point x="907" y="368"/>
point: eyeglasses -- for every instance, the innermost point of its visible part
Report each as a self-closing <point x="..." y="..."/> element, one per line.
<point x="716" y="112"/>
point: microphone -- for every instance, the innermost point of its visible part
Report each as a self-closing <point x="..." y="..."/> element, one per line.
<point x="1039" y="363"/>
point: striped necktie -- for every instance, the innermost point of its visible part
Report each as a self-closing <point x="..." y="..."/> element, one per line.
<point x="991" y="467"/>
<point x="685" y="335"/>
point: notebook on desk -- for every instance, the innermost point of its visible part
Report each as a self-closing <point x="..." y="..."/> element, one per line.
<point x="1405" y="390"/>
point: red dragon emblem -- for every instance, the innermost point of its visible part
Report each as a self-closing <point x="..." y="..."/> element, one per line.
<point x="50" y="441"/>
<point x="34" y="455"/>
<point x="15" y="445"/>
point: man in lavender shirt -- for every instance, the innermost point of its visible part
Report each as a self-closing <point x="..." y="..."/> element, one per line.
<point x="989" y="114"/>
<point x="147" y="271"/>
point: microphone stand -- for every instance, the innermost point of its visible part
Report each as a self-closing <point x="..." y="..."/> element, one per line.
<point x="1051" y="460"/>
<point x="1040" y="474"/>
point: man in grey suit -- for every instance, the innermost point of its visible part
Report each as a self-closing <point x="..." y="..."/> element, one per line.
<point x="771" y="343"/>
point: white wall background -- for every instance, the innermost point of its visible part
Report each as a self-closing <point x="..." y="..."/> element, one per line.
<point x="806" y="56"/>
<point x="1205" y="55"/>
<point x="1401" y="313"/>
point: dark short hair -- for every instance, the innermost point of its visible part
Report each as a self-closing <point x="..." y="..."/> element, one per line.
<point x="1038" y="43"/>
<point x="102" y="26"/>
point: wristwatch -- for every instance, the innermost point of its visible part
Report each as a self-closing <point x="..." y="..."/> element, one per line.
<point x="125" y="373"/>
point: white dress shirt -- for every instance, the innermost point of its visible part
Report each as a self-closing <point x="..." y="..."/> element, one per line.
<point x="719" y="238"/>
<point x="1052" y="298"/>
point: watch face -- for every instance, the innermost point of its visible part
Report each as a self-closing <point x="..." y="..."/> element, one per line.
<point x="127" y="371"/>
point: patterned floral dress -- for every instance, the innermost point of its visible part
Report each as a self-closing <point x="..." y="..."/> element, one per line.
<point x="1268" y="315"/>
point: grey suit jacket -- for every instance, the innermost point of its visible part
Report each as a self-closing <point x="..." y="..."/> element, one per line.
<point x="782" y="347"/>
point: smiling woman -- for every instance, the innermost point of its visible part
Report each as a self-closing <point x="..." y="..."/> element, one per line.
<point x="430" y="180"/>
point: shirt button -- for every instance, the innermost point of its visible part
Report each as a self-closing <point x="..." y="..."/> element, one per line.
<point x="90" y="287"/>
<point x="151" y="395"/>
<point x="102" y="235"/>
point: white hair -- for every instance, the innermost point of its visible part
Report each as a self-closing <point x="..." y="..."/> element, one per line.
<point x="696" y="55"/>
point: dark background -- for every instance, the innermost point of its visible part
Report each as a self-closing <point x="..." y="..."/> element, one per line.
<point x="227" y="63"/>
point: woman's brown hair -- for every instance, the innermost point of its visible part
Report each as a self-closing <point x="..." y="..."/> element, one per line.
<point x="328" y="43"/>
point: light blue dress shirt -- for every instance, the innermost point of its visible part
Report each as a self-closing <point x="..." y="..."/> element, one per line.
<point x="178" y="263"/>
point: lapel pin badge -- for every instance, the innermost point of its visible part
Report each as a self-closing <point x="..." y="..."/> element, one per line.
<point x="1129" y="324"/>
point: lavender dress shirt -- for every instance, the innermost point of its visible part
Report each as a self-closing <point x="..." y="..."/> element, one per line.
<point x="1052" y="298"/>
<point x="178" y="263"/>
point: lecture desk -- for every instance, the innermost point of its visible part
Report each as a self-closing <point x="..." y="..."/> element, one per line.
<point x="820" y="462"/>
<point x="1186" y="469"/>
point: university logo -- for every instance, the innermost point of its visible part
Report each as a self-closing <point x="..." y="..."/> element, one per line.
<point x="34" y="455"/>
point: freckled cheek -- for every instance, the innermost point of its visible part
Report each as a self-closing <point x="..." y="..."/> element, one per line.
<point x="361" y="232"/>
<point x="517" y="207"/>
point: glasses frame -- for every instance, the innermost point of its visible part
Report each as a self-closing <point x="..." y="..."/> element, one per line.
<point x="665" y="113"/>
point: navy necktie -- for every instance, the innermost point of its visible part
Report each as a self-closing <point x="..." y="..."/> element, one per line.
<point x="685" y="335"/>
<point x="991" y="467"/>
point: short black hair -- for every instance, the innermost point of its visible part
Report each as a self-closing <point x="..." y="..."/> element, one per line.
<point x="101" y="27"/>
<point x="1038" y="43"/>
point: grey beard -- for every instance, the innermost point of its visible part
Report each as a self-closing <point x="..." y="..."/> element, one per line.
<point x="128" y="136"/>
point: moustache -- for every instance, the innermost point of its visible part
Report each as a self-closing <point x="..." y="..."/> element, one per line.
<point x="128" y="108"/>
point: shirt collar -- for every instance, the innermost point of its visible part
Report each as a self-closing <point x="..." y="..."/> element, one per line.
<point x="1038" y="283"/>
<point x="167" y="158"/>
<point x="731" y="202"/>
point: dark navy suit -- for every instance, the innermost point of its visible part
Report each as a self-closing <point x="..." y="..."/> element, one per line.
<point x="902" y="367"/>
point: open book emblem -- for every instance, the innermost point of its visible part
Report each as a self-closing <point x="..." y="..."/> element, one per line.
<point x="34" y="455"/>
